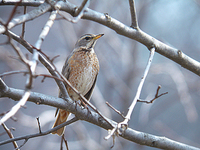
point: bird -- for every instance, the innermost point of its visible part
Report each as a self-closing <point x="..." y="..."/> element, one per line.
<point x="80" y="69"/>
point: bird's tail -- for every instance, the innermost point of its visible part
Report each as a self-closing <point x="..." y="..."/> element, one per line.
<point x="61" y="118"/>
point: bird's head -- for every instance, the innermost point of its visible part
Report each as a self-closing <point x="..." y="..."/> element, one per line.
<point x="88" y="41"/>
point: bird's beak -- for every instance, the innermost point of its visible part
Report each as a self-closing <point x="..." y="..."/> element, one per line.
<point x="98" y="36"/>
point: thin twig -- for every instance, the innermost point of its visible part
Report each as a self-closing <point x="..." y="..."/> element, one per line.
<point x="27" y="137"/>
<point x="12" y="13"/>
<point x="66" y="144"/>
<point x="45" y="61"/>
<point x="25" y="140"/>
<point x="38" y="121"/>
<point x="43" y="8"/>
<point x="26" y="94"/>
<point x="128" y="116"/>
<point x="31" y="65"/>
<point x="61" y="142"/>
<point x="156" y="96"/>
<point x="13" y="72"/>
<point x="111" y="133"/>
<point x="23" y="25"/>
<point x="117" y="111"/>
<point x="2" y="114"/>
<point x="5" y="131"/>
<point x="134" y="23"/>
<point x="11" y="136"/>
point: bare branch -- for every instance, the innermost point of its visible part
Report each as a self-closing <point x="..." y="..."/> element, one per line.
<point x="79" y="13"/>
<point x="128" y="116"/>
<point x="69" y="105"/>
<point x="15" y="108"/>
<point x="31" y="65"/>
<point x="27" y="137"/>
<point x="27" y="17"/>
<point x="44" y="60"/>
<point x="156" y="96"/>
<point x="12" y="13"/>
<point x="23" y="25"/>
<point x="117" y="111"/>
<point x="38" y="121"/>
<point x="138" y="35"/>
<point x="66" y="144"/>
<point x="11" y="136"/>
<point x="26" y="94"/>
<point x="122" y="126"/>
<point x="174" y="54"/>
<point x="23" y="3"/>
<point x="46" y="29"/>
<point x="67" y="82"/>
<point x="134" y="23"/>
<point x="13" y="72"/>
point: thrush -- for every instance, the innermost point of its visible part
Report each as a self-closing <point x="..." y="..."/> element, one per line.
<point x="80" y="69"/>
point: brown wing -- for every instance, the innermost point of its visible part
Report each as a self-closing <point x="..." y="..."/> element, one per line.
<point x="65" y="72"/>
<point x="89" y="93"/>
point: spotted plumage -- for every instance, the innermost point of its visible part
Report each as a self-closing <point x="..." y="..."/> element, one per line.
<point x="81" y="69"/>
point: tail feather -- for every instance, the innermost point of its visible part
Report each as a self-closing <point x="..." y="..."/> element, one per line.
<point x="61" y="118"/>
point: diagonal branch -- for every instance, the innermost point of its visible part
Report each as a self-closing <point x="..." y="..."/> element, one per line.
<point x="51" y="68"/>
<point x="31" y="65"/>
<point x="27" y="137"/>
<point x="28" y="86"/>
<point x="63" y="78"/>
<point x="122" y="126"/>
<point x="46" y="29"/>
<point x="172" y="53"/>
<point x="94" y="118"/>
<point x="128" y="116"/>
<point x="27" y="17"/>
<point x="11" y="136"/>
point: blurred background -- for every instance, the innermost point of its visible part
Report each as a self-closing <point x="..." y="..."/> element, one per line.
<point x="122" y="62"/>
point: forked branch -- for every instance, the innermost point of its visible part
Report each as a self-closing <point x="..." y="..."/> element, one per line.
<point x="122" y="126"/>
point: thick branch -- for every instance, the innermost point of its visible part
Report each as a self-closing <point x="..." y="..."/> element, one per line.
<point x="27" y="17"/>
<point x="94" y="118"/>
<point x="138" y="35"/>
<point x="23" y="3"/>
<point x="104" y="19"/>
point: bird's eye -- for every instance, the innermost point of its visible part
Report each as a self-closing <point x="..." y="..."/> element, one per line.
<point x="87" y="38"/>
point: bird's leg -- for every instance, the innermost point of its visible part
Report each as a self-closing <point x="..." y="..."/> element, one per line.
<point x="77" y="103"/>
<point x="85" y="106"/>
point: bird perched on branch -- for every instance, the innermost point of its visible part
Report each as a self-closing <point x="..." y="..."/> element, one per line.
<point x="80" y="69"/>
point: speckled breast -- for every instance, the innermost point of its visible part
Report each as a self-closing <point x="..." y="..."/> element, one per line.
<point x="83" y="67"/>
